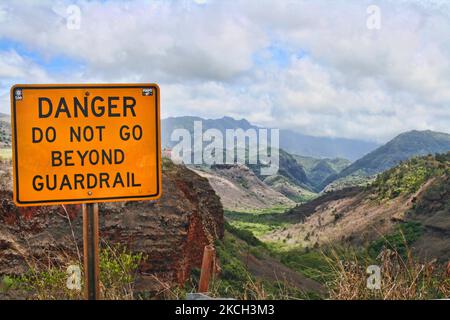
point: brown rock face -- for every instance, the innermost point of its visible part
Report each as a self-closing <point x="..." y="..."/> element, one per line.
<point x="171" y="232"/>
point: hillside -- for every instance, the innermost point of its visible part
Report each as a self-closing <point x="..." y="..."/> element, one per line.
<point x="5" y="131"/>
<point x="289" y="189"/>
<point x="291" y="141"/>
<point x="245" y="261"/>
<point x="414" y="195"/>
<point x="240" y="189"/>
<point x="353" y="180"/>
<point x="170" y="232"/>
<point x="319" y="170"/>
<point x="290" y="180"/>
<point x="402" y="147"/>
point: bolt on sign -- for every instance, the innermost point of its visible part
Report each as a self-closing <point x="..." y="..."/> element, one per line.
<point x="85" y="143"/>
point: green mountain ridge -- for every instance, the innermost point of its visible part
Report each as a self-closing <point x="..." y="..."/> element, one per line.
<point x="319" y="170"/>
<point x="403" y="147"/>
<point x="291" y="179"/>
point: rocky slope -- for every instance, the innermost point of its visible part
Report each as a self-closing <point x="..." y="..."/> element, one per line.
<point x="171" y="232"/>
<point x="417" y="191"/>
<point x="240" y="189"/>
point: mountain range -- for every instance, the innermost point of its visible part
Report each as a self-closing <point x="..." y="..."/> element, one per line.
<point x="290" y="141"/>
<point x="318" y="162"/>
<point x="313" y="163"/>
<point x="403" y="147"/>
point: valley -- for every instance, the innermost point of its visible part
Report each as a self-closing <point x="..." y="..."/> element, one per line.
<point x="343" y="213"/>
<point x="277" y="237"/>
<point x="405" y="210"/>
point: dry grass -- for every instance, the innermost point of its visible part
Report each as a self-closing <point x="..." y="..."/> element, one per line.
<point x="402" y="278"/>
<point x="5" y="153"/>
<point x="5" y="174"/>
<point x="251" y="289"/>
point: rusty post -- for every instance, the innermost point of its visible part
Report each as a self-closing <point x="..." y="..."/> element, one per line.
<point x="209" y="254"/>
<point x="90" y="247"/>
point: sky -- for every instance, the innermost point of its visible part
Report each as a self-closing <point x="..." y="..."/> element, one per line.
<point x="343" y="68"/>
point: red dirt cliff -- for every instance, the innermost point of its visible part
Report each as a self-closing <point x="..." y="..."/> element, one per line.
<point x="171" y="232"/>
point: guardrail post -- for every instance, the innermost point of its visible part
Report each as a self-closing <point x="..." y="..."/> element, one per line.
<point x="209" y="254"/>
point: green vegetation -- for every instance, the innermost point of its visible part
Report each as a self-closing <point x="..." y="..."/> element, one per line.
<point x="399" y="240"/>
<point x="318" y="171"/>
<point x="244" y="235"/>
<point x="235" y="279"/>
<point x="272" y="210"/>
<point x="409" y="176"/>
<point x="435" y="200"/>
<point x="356" y="179"/>
<point x="342" y="270"/>
<point x="45" y="284"/>
<point x="312" y="263"/>
<point x="234" y="274"/>
<point x="289" y="169"/>
<point x="46" y="281"/>
<point x="118" y="269"/>
<point x="258" y="222"/>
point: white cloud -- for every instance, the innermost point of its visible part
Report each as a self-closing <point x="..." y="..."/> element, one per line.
<point x="334" y="76"/>
<point x="14" y="66"/>
<point x="158" y="38"/>
<point x="16" y="69"/>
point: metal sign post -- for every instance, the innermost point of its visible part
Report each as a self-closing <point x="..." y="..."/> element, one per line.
<point x="91" y="254"/>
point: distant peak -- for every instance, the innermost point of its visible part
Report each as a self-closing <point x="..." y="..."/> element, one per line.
<point x="228" y="118"/>
<point x="421" y="133"/>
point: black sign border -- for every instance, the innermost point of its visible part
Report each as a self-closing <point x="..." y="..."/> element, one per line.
<point x="87" y="200"/>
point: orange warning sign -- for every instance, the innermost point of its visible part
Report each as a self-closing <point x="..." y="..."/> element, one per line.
<point x="85" y="143"/>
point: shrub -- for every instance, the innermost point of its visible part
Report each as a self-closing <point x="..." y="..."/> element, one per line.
<point x="399" y="240"/>
<point x="48" y="281"/>
<point x="244" y="235"/>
